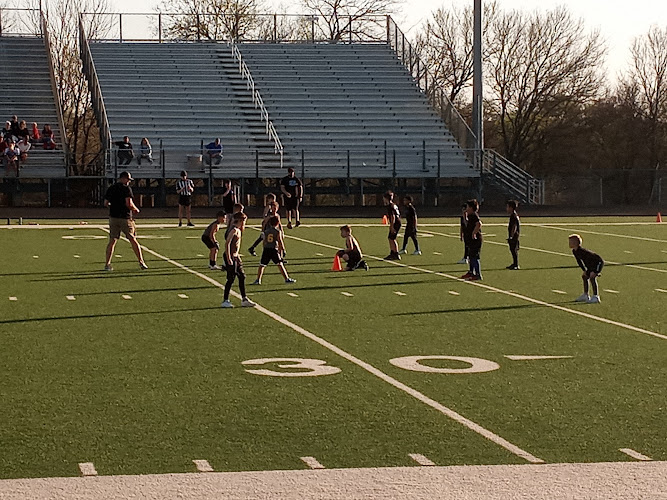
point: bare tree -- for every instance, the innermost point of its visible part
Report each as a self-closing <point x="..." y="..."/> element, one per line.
<point x="283" y="26"/>
<point x="211" y="19"/>
<point x="540" y="67"/>
<point x="351" y="19"/>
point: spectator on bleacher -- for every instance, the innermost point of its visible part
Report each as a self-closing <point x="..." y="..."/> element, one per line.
<point x="47" y="137"/>
<point x="145" y="151"/>
<point x="23" y="131"/>
<point x="11" y="157"/>
<point x="214" y="152"/>
<point x="24" y="146"/>
<point x="125" y="151"/>
<point x="7" y="130"/>
<point x="14" y="123"/>
<point x="35" y="136"/>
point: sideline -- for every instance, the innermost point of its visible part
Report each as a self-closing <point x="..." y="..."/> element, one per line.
<point x="599" y="233"/>
<point x="499" y="290"/>
<point x="457" y="417"/>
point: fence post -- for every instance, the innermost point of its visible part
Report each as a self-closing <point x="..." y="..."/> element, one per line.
<point x="198" y="29"/>
<point x="437" y="185"/>
<point x="256" y="163"/>
<point x="312" y="28"/>
<point x="120" y="28"/>
<point x="424" y="155"/>
<point x="350" y="29"/>
<point x="163" y="191"/>
<point x="348" y="173"/>
<point x="210" y="184"/>
<point x="385" y="154"/>
<point x="159" y="27"/>
<point x="393" y="171"/>
<point x="303" y="165"/>
<point x="275" y="27"/>
<point x="388" y="29"/>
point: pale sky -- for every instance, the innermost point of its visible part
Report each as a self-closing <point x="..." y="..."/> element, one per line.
<point x="619" y="21"/>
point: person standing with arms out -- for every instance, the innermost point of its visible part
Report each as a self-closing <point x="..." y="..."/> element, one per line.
<point x="233" y="262"/>
<point x="292" y="190"/>
<point x="185" y="187"/>
<point x="591" y="263"/>
<point x="473" y="240"/>
<point x="394" y="219"/>
<point x="410" y="226"/>
<point x="513" y="233"/>
<point x="228" y="199"/>
<point x="119" y="199"/>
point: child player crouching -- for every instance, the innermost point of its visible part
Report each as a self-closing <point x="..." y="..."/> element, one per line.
<point x="352" y="253"/>
<point x="591" y="263"/>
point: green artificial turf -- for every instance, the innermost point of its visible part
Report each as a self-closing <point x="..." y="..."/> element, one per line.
<point x="149" y="383"/>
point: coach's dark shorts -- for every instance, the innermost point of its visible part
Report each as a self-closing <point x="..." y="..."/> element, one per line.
<point x="185" y="200"/>
<point x="393" y="231"/>
<point x="269" y="255"/>
<point x="209" y="242"/>
<point x="291" y="203"/>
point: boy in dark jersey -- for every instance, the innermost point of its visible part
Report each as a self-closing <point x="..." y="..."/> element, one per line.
<point x="394" y="219"/>
<point x="228" y="199"/>
<point x="352" y="253"/>
<point x="268" y="212"/>
<point x="208" y="238"/>
<point x="591" y="263"/>
<point x="410" y="226"/>
<point x="462" y="228"/>
<point x="513" y="233"/>
<point x="233" y="262"/>
<point x="273" y="250"/>
<point x="473" y="240"/>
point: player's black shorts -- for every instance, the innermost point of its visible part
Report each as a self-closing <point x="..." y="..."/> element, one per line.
<point x="410" y="230"/>
<point x="393" y="231"/>
<point x="597" y="270"/>
<point x="235" y="269"/>
<point x="514" y="244"/>
<point x="209" y="242"/>
<point x="228" y="207"/>
<point x="353" y="258"/>
<point x="185" y="200"/>
<point x="291" y="203"/>
<point x="474" y="249"/>
<point x="269" y="255"/>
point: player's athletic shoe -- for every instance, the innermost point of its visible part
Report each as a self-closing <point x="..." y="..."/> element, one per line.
<point x="290" y="280"/>
<point x="246" y="302"/>
<point x="142" y="265"/>
<point x="252" y="252"/>
<point x="226" y="304"/>
<point x="512" y="267"/>
<point x="475" y="277"/>
<point x="463" y="261"/>
<point x="466" y="276"/>
<point x="402" y="251"/>
<point x="289" y="225"/>
<point x="256" y="282"/>
<point x="393" y="256"/>
<point x="595" y="299"/>
<point x="108" y="267"/>
<point x="180" y="223"/>
<point x="298" y="223"/>
<point x="190" y="224"/>
<point x="417" y="252"/>
<point x="214" y="268"/>
<point x="582" y="298"/>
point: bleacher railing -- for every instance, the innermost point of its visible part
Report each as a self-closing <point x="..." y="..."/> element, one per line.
<point x="258" y="102"/>
<point x="20" y="22"/>
<point x="516" y="180"/>
<point x="94" y="85"/>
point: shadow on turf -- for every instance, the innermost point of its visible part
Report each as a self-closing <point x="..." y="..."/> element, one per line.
<point x="477" y="309"/>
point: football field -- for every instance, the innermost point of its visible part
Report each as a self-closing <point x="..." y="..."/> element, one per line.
<point x="141" y="372"/>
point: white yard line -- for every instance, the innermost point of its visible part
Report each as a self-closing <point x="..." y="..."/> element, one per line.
<point x="312" y="462"/>
<point x="600" y="233"/>
<point x="561" y="292"/>
<point x="347" y="294"/>
<point x="183" y="296"/>
<point x="452" y="292"/>
<point x="87" y="469"/>
<point x="533" y="358"/>
<point x="505" y="292"/>
<point x="70" y="297"/>
<point x="292" y="294"/>
<point x="569" y="255"/>
<point x="635" y="454"/>
<point x="127" y="297"/>
<point x="421" y="459"/>
<point x="13" y="299"/>
<point x="609" y="290"/>
<point x="400" y="294"/>
<point x="473" y="426"/>
<point x="203" y="466"/>
<point x="660" y="290"/>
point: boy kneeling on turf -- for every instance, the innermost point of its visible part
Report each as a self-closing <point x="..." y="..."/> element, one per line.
<point x="233" y="262"/>
<point x="208" y="238"/>
<point x="591" y="263"/>
<point x="352" y="253"/>
<point x="273" y="249"/>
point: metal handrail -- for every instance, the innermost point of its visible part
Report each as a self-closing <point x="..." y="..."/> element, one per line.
<point x="258" y="102"/>
<point x="54" y="89"/>
<point x="513" y="177"/>
<point x="94" y="85"/>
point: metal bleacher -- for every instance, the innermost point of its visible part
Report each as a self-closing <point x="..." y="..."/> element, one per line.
<point x="328" y="101"/>
<point x="27" y="91"/>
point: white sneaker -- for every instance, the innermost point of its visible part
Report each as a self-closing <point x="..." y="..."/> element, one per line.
<point x="595" y="299"/>
<point x="417" y="252"/>
<point x="108" y="267"/>
<point x="402" y="252"/>
<point x="214" y="268"/>
<point x="582" y="298"/>
<point x="247" y="303"/>
<point x="463" y="261"/>
<point x="227" y="304"/>
<point x="142" y="265"/>
<point x="256" y="282"/>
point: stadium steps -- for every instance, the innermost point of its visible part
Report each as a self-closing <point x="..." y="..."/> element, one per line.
<point x="182" y="95"/>
<point x="27" y="92"/>
<point x="326" y="99"/>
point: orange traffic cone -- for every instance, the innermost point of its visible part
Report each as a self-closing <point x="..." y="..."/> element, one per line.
<point x="336" y="264"/>
<point x="385" y="221"/>
<point x="659" y="217"/>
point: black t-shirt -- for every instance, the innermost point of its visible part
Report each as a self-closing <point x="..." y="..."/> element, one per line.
<point x="116" y="196"/>
<point x="124" y="148"/>
<point x="229" y="201"/>
<point x="514" y="226"/>
<point x="473" y="219"/>
<point x="291" y="185"/>
<point x="587" y="260"/>
<point x="410" y="216"/>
